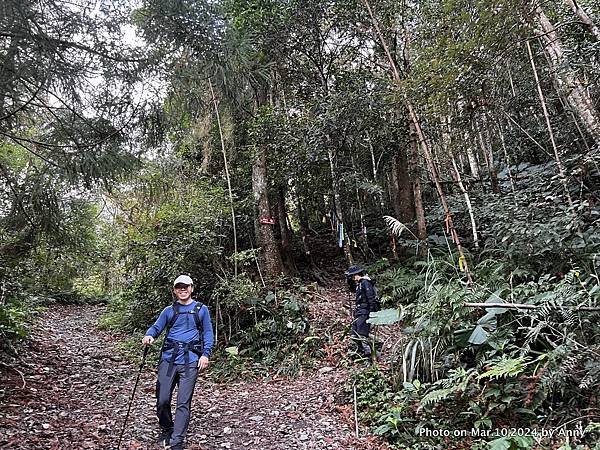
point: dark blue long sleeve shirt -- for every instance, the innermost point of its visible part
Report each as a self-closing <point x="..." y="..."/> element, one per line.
<point x="184" y="330"/>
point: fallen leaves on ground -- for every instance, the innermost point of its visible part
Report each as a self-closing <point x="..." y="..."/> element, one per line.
<point x="76" y="391"/>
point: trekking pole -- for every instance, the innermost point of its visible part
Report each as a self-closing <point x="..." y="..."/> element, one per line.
<point x="350" y="307"/>
<point x="137" y="380"/>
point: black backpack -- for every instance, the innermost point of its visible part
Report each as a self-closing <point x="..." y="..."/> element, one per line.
<point x="375" y="306"/>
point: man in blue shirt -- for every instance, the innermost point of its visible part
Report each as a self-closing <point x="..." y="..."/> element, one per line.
<point x="186" y="349"/>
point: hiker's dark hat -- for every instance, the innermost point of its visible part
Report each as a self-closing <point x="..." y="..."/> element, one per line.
<point x="353" y="270"/>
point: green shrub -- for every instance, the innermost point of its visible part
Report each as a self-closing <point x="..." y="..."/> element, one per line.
<point x="181" y="235"/>
<point x="521" y="368"/>
<point x="14" y="319"/>
<point x="265" y="330"/>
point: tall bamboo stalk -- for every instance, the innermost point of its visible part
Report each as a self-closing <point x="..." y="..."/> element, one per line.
<point x="467" y="197"/>
<point x="233" y="221"/>
<point x="561" y="169"/>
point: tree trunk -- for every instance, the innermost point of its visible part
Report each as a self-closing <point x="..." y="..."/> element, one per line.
<point x="373" y="162"/>
<point x="374" y="165"/>
<point x="405" y="199"/>
<point x="583" y="145"/>
<point x="394" y="188"/>
<point x="303" y="222"/>
<point x="585" y="18"/>
<point x="575" y="93"/>
<point x="565" y="106"/>
<point x="488" y="153"/>
<point x="269" y="249"/>
<point x="461" y="162"/>
<point x="473" y="164"/>
<point x="415" y="181"/>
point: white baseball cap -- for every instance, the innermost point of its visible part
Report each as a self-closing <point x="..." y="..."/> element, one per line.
<point x="183" y="279"/>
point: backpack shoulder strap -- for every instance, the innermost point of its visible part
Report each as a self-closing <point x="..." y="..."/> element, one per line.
<point x="175" y="307"/>
<point x="196" y="312"/>
<point x="363" y="288"/>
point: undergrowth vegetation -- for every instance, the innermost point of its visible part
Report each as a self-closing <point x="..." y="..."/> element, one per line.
<point x="263" y="330"/>
<point x="487" y="370"/>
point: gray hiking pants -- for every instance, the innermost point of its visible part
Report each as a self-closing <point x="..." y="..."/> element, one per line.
<point x="165" y="385"/>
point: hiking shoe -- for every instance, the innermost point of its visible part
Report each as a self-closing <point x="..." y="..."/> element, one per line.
<point x="177" y="447"/>
<point x="164" y="437"/>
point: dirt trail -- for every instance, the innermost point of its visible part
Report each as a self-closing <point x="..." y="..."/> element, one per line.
<point x="74" y="390"/>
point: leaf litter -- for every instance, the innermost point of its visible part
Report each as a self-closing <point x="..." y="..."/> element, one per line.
<point x="70" y="389"/>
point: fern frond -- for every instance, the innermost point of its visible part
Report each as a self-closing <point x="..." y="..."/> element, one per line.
<point x="438" y="395"/>
<point x="591" y="380"/>
<point x="395" y="226"/>
<point x="457" y="382"/>
<point x="505" y="367"/>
